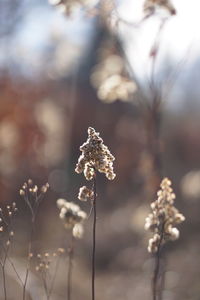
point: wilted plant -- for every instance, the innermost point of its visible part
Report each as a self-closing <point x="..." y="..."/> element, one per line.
<point x="95" y="157"/>
<point x="73" y="218"/>
<point x="162" y="223"/>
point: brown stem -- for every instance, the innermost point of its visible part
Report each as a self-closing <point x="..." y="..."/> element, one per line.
<point x="94" y="236"/>
<point x="70" y="266"/>
<point x="155" y="288"/>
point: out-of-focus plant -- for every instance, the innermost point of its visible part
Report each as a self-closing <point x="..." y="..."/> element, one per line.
<point x="6" y="236"/>
<point x="73" y="218"/>
<point x="162" y="223"/>
<point x="32" y="196"/>
<point x="110" y="77"/>
<point x="44" y="265"/>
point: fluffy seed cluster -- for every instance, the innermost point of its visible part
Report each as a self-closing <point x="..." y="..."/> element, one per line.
<point x="163" y="218"/>
<point x="44" y="260"/>
<point x="33" y="195"/>
<point x="109" y="76"/>
<point x="72" y="217"/>
<point x="85" y="194"/>
<point x="95" y="157"/>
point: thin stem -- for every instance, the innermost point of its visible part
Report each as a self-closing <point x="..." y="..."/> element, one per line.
<point x="54" y="276"/>
<point x="70" y="266"/>
<point x="12" y="264"/>
<point x="3" y="264"/>
<point x="45" y="286"/>
<point x="28" y="264"/>
<point x="155" y="288"/>
<point x="4" y="282"/>
<point x="94" y="236"/>
<point x="15" y="270"/>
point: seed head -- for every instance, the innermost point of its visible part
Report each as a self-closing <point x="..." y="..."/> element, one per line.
<point x="95" y="157"/>
<point x="85" y="194"/>
<point x="163" y="218"/>
<point x="71" y="215"/>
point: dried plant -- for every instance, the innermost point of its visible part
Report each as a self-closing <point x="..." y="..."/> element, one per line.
<point x="110" y="77"/>
<point x="45" y="263"/>
<point x="95" y="157"/>
<point x="73" y="218"/>
<point x="162" y="223"/>
<point x="32" y="196"/>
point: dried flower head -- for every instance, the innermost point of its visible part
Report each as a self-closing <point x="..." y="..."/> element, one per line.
<point x="110" y="76"/>
<point x="32" y="195"/>
<point x="44" y="261"/>
<point x="85" y="194"/>
<point x="95" y="157"/>
<point x="72" y="216"/>
<point x="163" y="218"/>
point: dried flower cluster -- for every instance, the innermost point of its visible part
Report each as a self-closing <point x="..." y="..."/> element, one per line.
<point x="70" y="6"/>
<point x="109" y="77"/>
<point x="32" y="195"/>
<point x="72" y="217"/>
<point x="95" y="157"/>
<point x="6" y="221"/>
<point x="163" y="218"/>
<point x="85" y="194"/>
<point x="44" y="260"/>
<point x="6" y="228"/>
<point x="151" y="5"/>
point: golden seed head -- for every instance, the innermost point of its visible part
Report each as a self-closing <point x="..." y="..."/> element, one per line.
<point x="85" y="194"/>
<point x="164" y="217"/>
<point x="95" y="157"/>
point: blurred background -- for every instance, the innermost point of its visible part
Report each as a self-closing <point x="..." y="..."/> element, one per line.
<point x="63" y="69"/>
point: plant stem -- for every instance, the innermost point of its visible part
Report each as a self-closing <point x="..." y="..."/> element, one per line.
<point x="155" y="288"/>
<point x="70" y="265"/>
<point x="28" y="263"/>
<point x="4" y="282"/>
<point x="94" y="236"/>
